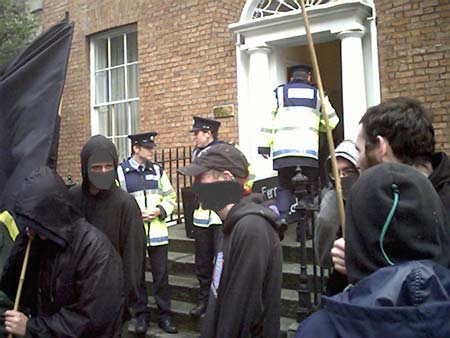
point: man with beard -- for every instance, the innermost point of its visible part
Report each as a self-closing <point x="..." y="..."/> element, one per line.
<point x="207" y="224"/>
<point x="114" y="212"/>
<point x="245" y="293"/>
<point x="149" y="184"/>
<point x="399" y="130"/>
<point x="73" y="283"/>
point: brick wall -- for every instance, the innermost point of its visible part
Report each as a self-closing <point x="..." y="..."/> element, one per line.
<point x="187" y="65"/>
<point x="414" y="47"/>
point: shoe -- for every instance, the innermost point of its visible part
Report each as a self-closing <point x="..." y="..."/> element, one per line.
<point x="141" y="326"/>
<point x="199" y="310"/>
<point x="167" y="325"/>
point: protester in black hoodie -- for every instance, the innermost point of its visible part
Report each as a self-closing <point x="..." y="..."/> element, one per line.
<point x="245" y="292"/>
<point x="114" y="212"/>
<point x="73" y="284"/>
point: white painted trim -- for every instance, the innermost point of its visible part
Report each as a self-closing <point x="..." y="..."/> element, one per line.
<point x="94" y="115"/>
<point x="120" y="32"/>
<point x="284" y="30"/>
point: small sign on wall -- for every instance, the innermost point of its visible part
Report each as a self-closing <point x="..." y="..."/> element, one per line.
<point x="223" y="111"/>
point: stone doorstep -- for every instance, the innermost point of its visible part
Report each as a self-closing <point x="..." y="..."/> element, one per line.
<point x="178" y="242"/>
<point x="185" y="288"/>
<point x="183" y="264"/>
<point x="188" y="325"/>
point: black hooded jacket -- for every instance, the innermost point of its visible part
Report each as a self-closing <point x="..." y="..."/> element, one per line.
<point x="116" y="214"/>
<point x="418" y="228"/>
<point x="73" y="284"/>
<point x="440" y="178"/>
<point x="246" y="302"/>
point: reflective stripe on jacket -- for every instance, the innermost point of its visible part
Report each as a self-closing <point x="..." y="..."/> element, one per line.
<point x="298" y="121"/>
<point x="151" y="188"/>
<point x="204" y="218"/>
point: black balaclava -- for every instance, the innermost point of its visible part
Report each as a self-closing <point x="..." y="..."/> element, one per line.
<point x="393" y="215"/>
<point x="215" y="196"/>
<point x="101" y="180"/>
<point x="101" y="148"/>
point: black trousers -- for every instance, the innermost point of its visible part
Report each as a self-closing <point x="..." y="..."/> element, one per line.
<point x="207" y="242"/>
<point x="285" y="189"/>
<point x="161" y="291"/>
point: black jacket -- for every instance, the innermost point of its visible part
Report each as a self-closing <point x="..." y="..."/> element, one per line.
<point x="440" y="178"/>
<point x="74" y="289"/>
<point x="395" y="208"/>
<point x="116" y="214"/>
<point x="246" y="302"/>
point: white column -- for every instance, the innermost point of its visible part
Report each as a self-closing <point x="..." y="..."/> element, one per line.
<point x="259" y="109"/>
<point x="353" y="83"/>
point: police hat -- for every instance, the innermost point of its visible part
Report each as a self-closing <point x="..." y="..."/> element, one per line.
<point x="202" y="123"/>
<point x="144" y="139"/>
<point x="300" y="67"/>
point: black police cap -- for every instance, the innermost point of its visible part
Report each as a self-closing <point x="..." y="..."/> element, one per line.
<point x="143" y="139"/>
<point x="302" y="66"/>
<point x="202" y="123"/>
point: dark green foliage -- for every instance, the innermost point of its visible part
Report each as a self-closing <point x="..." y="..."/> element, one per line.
<point x="17" y="27"/>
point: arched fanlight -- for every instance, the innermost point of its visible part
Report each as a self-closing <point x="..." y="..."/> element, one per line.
<point x="275" y="7"/>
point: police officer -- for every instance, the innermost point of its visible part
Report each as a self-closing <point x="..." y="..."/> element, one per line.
<point x="294" y="136"/>
<point x="207" y="224"/>
<point x="151" y="187"/>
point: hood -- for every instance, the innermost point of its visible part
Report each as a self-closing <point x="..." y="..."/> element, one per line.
<point x="44" y="200"/>
<point x="405" y="300"/>
<point x="346" y="149"/>
<point x="249" y="206"/>
<point x="96" y="143"/>
<point x="441" y="170"/>
<point x="393" y="215"/>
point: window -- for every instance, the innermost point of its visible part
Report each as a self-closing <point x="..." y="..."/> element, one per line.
<point x="115" y="87"/>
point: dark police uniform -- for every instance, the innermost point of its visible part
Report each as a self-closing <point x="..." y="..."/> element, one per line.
<point x="207" y="227"/>
<point x="151" y="187"/>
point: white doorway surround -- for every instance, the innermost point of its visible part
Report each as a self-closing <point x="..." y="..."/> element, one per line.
<point x="265" y="32"/>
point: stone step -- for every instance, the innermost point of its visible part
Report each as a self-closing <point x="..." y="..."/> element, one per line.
<point x="183" y="264"/>
<point x="291" y="251"/>
<point x="185" y="288"/>
<point x="155" y="332"/>
<point x="187" y="326"/>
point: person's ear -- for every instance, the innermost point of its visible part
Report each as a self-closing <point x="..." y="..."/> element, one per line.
<point x="228" y="176"/>
<point x="382" y="148"/>
<point x="385" y="150"/>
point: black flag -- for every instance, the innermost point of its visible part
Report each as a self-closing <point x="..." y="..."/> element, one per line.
<point x="31" y="88"/>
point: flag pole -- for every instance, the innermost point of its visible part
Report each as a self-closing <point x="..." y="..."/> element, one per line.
<point x="21" y="279"/>
<point x="325" y="116"/>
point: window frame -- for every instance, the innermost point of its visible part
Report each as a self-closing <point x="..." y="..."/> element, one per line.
<point x="94" y="107"/>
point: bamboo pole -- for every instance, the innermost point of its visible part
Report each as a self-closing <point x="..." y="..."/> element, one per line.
<point x="21" y="279"/>
<point x="325" y="116"/>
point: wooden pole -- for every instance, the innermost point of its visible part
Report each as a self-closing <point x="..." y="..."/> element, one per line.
<point x="325" y="116"/>
<point x="21" y="279"/>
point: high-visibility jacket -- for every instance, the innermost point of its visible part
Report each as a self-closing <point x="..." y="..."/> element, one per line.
<point x="151" y="188"/>
<point x="297" y="121"/>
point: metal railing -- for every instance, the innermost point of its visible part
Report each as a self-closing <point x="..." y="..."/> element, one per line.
<point x="171" y="159"/>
